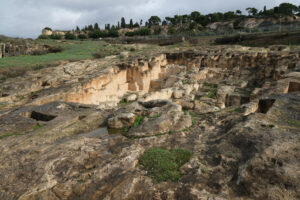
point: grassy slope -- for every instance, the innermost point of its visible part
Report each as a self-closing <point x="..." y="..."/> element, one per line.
<point x="73" y="50"/>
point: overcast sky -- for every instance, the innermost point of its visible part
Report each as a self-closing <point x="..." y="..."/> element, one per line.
<point x="26" y="18"/>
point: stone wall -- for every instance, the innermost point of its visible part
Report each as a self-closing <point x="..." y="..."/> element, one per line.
<point x="9" y="49"/>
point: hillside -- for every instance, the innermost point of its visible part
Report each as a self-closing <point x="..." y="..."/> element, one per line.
<point x="286" y="16"/>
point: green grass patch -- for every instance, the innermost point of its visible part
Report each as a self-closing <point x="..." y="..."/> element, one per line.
<point x="9" y="135"/>
<point x="138" y="121"/>
<point x="124" y="102"/>
<point x="164" y="165"/>
<point x="38" y="126"/>
<point x="72" y="50"/>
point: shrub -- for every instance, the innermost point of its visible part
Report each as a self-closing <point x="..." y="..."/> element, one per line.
<point x="70" y="36"/>
<point x="201" y="28"/>
<point x="129" y="34"/>
<point x="55" y="49"/>
<point x="144" y="31"/>
<point x="55" y="37"/>
<point x="102" y="34"/>
<point x="39" y="67"/>
<point x="82" y="36"/>
<point x="43" y="37"/>
<point x="171" y="31"/>
<point x="39" y="52"/>
<point x="157" y="30"/>
<point x="94" y="34"/>
<point x="140" y="32"/>
<point x="164" y="165"/>
<point x="103" y="53"/>
<point x="192" y="25"/>
<point x="113" y="33"/>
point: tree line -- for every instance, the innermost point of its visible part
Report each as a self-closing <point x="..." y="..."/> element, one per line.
<point x="284" y="9"/>
<point x="193" y="19"/>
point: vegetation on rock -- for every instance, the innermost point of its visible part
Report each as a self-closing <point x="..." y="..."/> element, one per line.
<point x="164" y="165"/>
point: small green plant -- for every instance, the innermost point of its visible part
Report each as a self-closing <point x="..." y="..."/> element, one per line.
<point x="123" y="102"/>
<point x="193" y="121"/>
<point x="164" y="165"/>
<point x="294" y="123"/>
<point x="186" y="112"/>
<point x="9" y="135"/>
<point x="37" y="126"/>
<point x="211" y="94"/>
<point x="210" y="85"/>
<point x="138" y="121"/>
<point x="20" y="97"/>
<point x="126" y="129"/>
<point x="154" y="116"/>
<point x="203" y="171"/>
<point x="235" y="110"/>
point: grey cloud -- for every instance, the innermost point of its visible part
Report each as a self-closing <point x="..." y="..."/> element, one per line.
<point x="26" y="18"/>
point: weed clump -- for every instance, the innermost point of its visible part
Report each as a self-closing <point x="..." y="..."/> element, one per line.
<point x="138" y="121"/>
<point x="164" y="165"/>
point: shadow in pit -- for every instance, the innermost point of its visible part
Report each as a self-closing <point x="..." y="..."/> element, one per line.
<point x="264" y="105"/>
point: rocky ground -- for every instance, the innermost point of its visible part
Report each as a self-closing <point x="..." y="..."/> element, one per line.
<point x="78" y="130"/>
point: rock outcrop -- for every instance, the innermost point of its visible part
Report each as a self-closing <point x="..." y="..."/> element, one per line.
<point x="77" y="131"/>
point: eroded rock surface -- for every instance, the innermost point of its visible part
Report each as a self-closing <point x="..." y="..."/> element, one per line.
<point x="76" y="131"/>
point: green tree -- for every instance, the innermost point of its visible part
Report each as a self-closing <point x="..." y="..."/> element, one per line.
<point x="107" y="27"/>
<point x="123" y="23"/>
<point x="90" y="28"/>
<point x="77" y="29"/>
<point x="229" y="15"/>
<point x="195" y="15"/>
<point x="96" y="26"/>
<point x="192" y="25"/>
<point x="82" y="36"/>
<point x="252" y="11"/>
<point x="131" y="24"/>
<point x="113" y="33"/>
<point x="154" y="20"/>
<point x="70" y="36"/>
<point x="238" y="12"/>
<point x="286" y="9"/>
<point x="145" y="31"/>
